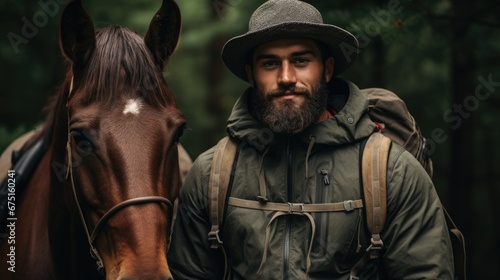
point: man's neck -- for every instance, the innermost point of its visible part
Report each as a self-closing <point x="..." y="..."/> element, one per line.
<point x="327" y="114"/>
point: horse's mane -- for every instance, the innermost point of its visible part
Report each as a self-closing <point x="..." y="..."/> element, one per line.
<point x="121" y="65"/>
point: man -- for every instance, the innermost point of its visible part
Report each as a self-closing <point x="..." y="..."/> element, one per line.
<point x="299" y="130"/>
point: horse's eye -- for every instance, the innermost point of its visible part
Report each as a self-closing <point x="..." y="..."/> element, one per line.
<point x="82" y="141"/>
<point x="179" y="133"/>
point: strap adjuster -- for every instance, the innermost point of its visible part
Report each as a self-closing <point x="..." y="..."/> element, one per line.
<point x="348" y="205"/>
<point x="214" y="238"/>
<point x="291" y="207"/>
<point x="262" y="199"/>
<point x="375" y="248"/>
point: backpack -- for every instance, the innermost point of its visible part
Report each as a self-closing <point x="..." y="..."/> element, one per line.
<point x="398" y="126"/>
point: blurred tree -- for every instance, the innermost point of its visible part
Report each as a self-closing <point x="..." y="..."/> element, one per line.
<point x="30" y="65"/>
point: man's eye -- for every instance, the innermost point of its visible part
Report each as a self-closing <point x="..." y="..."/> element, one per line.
<point x="301" y="61"/>
<point x="270" y="64"/>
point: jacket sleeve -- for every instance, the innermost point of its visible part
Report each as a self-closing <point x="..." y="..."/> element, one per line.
<point x="416" y="235"/>
<point x="189" y="255"/>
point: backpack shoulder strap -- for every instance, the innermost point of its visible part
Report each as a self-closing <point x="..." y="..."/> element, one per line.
<point x="374" y="176"/>
<point x="374" y="180"/>
<point x="220" y="173"/>
<point x="374" y="184"/>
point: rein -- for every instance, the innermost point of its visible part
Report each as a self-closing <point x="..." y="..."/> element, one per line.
<point x="102" y="221"/>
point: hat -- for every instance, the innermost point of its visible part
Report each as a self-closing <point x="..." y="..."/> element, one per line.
<point x="281" y="19"/>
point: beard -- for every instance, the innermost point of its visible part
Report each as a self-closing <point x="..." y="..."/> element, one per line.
<point x="288" y="117"/>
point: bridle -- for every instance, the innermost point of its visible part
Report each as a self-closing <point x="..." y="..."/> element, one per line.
<point x="102" y="221"/>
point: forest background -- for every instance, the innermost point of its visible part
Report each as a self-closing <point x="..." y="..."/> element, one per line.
<point x="440" y="56"/>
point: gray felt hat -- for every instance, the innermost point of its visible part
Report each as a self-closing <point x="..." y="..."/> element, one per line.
<point x="280" y="19"/>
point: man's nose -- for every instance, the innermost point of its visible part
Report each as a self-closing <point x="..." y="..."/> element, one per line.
<point x="287" y="74"/>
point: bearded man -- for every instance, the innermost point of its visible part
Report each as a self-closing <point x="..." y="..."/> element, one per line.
<point x="299" y="129"/>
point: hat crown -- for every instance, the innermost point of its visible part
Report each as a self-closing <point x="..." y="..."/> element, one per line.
<point x="275" y="12"/>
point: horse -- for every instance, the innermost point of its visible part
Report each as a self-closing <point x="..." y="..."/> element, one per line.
<point x="99" y="203"/>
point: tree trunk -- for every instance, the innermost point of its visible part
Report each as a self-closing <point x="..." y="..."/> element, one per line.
<point x="463" y="77"/>
<point x="379" y="66"/>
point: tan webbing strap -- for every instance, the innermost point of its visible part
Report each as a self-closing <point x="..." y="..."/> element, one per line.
<point x="290" y="208"/>
<point x="220" y="174"/>
<point x="374" y="178"/>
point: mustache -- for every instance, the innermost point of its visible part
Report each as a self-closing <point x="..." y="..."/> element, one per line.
<point x="292" y="89"/>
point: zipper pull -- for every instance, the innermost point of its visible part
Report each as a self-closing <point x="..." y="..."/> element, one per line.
<point x="326" y="180"/>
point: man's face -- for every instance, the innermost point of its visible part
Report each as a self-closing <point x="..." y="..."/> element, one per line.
<point x="289" y="80"/>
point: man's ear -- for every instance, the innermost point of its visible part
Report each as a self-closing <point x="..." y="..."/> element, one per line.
<point x="248" y="69"/>
<point x="329" y="67"/>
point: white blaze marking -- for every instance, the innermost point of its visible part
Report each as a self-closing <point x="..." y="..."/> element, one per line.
<point x="133" y="106"/>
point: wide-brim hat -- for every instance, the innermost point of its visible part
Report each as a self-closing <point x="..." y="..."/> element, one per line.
<point x="281" y="19"/>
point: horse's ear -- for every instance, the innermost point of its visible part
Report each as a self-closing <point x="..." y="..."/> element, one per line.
<point x="163" y="33"/>
<point x="77" y="36"/>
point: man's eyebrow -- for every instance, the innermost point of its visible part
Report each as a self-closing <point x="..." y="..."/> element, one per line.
<point x="304" y="52"/>
<point x="295" y="54"/>
<point x="265" y="56"/>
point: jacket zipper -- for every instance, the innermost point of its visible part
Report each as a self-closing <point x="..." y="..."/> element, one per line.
<point x="321" y="219"/>
<point x="324" y="173"/>
<point x="288" y="226"/>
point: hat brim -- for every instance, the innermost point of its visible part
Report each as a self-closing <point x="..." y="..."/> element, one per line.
<point x="343" y="45"/>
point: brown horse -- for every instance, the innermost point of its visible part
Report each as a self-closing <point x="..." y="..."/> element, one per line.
<point x="106" y="183"/>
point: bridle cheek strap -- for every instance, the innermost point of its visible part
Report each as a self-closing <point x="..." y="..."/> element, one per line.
<point x="93" y="251"/>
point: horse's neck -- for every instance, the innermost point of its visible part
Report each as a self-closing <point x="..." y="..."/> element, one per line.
<point x="47" y="228"/>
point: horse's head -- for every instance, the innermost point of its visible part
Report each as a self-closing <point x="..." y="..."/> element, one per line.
<point x="122" y="134"/>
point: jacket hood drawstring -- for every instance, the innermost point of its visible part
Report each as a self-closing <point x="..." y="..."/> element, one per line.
<point x="262" y="197"/>
<point x="267" y="240"/>
<point x="309" y="149"/>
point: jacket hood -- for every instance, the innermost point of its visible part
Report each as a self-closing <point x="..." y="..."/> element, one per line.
<point x="350" y="124"/>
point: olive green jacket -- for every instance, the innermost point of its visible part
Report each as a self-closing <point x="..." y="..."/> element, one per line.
<point x="319" y="165"/>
